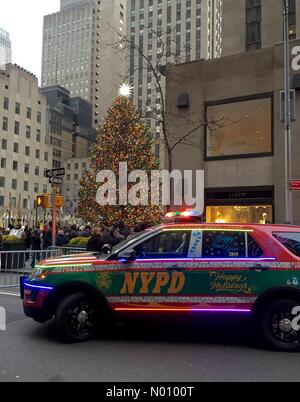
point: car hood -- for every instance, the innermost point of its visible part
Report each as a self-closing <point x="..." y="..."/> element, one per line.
<point x="70" y="260"/>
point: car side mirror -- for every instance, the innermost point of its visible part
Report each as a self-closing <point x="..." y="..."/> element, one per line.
<point x="128" y="257"/>
<point x="106" y="249"/>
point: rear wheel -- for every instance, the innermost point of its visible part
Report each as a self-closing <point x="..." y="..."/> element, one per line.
<point x="277" y="325"/>
<point x="77" y="318"/>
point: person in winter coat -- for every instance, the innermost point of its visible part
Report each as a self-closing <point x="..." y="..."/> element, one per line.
<point x="61" y="239"/>
<point x="36" y="239"/>
<point x="95" y="243"/>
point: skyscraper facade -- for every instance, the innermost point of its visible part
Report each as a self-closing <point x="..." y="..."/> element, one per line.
<point x="255" y="24"/>
<point x="5" y="47"/>
<point x="78" y="52"/>
<point x="169" y="31"/>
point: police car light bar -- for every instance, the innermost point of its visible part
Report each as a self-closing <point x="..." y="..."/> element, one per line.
<point x="187" y="215"/>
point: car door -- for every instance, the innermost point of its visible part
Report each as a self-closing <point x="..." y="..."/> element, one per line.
<point x="157" y="279"/>
<point x="229" y="270"/>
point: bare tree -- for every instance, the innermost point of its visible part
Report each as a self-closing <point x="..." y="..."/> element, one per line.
<point x="167" y="49"/>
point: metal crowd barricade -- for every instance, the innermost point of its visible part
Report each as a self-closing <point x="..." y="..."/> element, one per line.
<point x="14" y="264"/>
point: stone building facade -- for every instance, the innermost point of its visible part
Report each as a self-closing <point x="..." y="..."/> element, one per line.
<point x="241" y="143"/>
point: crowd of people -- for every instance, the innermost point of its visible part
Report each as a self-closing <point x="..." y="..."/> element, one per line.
<point x="40" y="237"/>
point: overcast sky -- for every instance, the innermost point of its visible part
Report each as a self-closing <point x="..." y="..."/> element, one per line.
<point x="23" y="19"/>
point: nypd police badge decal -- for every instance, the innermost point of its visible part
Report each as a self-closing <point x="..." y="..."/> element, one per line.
<point x="104" y="281"/>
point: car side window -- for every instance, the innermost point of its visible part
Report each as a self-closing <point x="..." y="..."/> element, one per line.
<point x="227" y="244"/>
<point x="167" y="245"/>
<point x="254" y="249"/>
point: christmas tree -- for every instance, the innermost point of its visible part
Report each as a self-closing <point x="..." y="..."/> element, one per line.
<point x="123" y="137"/>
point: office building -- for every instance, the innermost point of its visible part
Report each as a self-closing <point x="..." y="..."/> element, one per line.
<point x="241" y="148"/>
<point x="78" y="53"/>
<point x="75" y="168"/>
<point x="68" y="125"/>
<point x="168" y="31"/>
<point x="5" y="48"/>
<point x="25" y="149"/>
<point x="256" y="24"/>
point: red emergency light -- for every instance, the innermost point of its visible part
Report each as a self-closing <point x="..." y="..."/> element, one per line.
<point x="186" y="216"/>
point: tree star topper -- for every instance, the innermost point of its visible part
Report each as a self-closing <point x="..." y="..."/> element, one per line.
<point x="125" y="90"/>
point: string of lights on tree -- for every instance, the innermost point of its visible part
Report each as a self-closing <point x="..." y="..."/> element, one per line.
<point x="123" y="137"/>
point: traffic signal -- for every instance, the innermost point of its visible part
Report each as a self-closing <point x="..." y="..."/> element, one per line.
<point x="44" y="201"/>
<point x="59" y="201"/>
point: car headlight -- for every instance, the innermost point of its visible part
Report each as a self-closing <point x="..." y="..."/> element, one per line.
<point x="40" y="274"/>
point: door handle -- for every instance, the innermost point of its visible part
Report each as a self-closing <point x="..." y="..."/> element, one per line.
<point x="259" y="268"/>
<point x="175" y="268"/>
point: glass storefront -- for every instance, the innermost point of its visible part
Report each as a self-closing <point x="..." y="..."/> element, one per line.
<point x="240" y="214"/>
<point x="240" y="205"/>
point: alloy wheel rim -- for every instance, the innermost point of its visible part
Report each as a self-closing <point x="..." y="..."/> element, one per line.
<point x="82" y="319"/>
<point x="281" y="326"/>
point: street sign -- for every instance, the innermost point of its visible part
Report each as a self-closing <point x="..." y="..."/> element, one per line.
<point x="55" y="180"/>
<point x="56" y="172"/>
<point x="295" y="185"/>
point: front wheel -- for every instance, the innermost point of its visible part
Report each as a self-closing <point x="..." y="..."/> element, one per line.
<point x="76" y="318"/>
<point x="278" y="325"/>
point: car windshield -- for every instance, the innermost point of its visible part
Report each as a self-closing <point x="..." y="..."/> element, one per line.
<point x="133" y="238"/>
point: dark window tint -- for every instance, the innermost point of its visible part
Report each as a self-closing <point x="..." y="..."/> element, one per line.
<point x="290" y="241"/>
<point x="254" y="249"/>
<point x="218" y="244"/>
<point x="165" y="245"/>
<point x="253" y="24"/>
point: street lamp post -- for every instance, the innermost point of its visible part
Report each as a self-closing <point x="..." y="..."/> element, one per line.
<point x="287" y="116"/>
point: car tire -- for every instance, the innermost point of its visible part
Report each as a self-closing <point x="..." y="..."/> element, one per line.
<point x="274" y="325"/>
<point x="77" y="318"/>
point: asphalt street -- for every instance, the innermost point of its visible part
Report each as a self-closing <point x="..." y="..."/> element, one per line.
<point x="136" y="351"/>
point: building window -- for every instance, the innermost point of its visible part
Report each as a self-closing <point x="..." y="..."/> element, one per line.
<point x="14" y="184"/>
<point x="15" y="166"/>
<point x="18" y="108"/>
<point x="17" y="128"/>
<point x="27" y="151"/>
<point x="244" y="205"/>
<point x="39" y="117"/>
<point x="2" y="181"/>
<point x="260" y="214"/>
<point x="37" y="154"/>
<point x="6" y="103"/>
<point x="28" y="132"/>
<point x="36" y="188"/>
<point x="3" y="163"/>
<point x="292" y="19"/>
<point x="26" y="168"/>
<point x="253" y="24"/>
<point x="37" y="171"/>
<point x="46" y="157"/>
<point x="25" y="203"/>
<point x="28" y="114"/>
<point x="4" y="144"/>
<point x="239" y="128"/>
<point x="16" y="147"/>
<point x="26" y="185"/>
<point x="5" y="124"/>
<point x="38" y="135"/>
<point x="1" y="201"/>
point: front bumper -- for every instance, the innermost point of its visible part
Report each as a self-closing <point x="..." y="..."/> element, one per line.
<point x="36" y="301"/>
